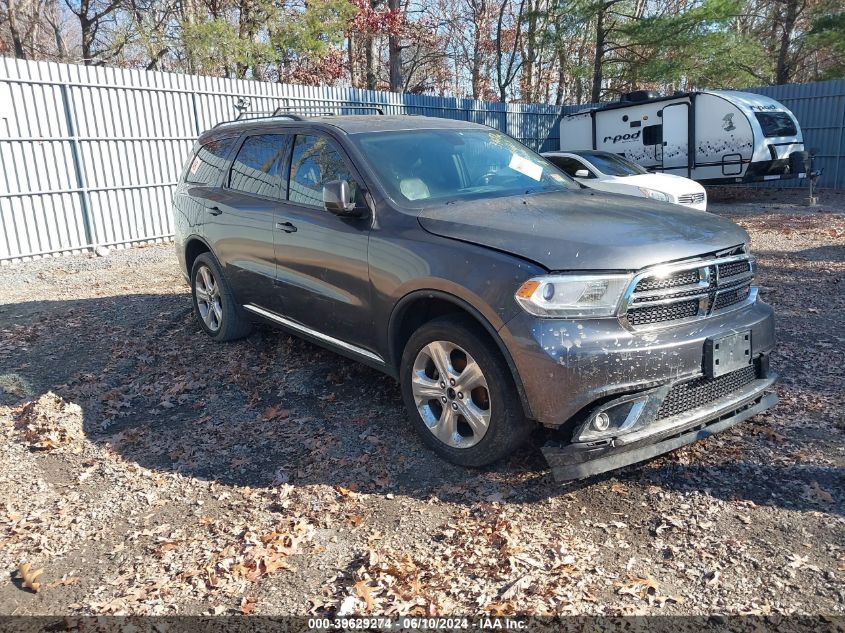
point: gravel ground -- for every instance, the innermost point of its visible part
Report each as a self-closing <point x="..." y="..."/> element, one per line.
<point x="147" y="470"/>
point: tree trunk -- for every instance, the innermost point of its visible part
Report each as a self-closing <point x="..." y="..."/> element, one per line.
<point x="353" y="66"/>
<point x="87" y="29"/>
<point x="529" y="93"/>
<point x="510" y="71"/>
<point x="561" y="74"/>
<point x="245" y="29"/>
<point x="782" y="70"/>
<point x="370" y="55"/>
<point x="598" y="60"/>
<point x="17" y="39"/>
<point x="394" y="45"/>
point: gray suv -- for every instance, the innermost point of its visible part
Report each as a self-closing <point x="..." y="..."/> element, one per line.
<point x="501" y="294"/>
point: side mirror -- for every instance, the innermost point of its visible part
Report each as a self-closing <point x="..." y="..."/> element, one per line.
<point x="337" y="198"/>
<point x="582" y="173"/>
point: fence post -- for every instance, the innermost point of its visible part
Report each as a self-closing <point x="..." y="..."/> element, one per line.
<point x="840" y="148"/>
<point x="196" y="113"/>
<point x="78" y="167"/>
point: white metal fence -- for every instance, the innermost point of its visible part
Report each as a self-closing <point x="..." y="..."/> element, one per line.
<point x="89" y="156"/>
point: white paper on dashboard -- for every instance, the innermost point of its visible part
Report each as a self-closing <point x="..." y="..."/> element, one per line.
<point x="526" y="167"/>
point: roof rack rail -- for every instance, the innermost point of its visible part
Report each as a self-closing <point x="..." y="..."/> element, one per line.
<point x="295" y="109"/>
<point x="296" y="113"/>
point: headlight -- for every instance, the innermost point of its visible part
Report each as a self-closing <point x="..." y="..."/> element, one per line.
<point x="572" y="295"/>
<point x="654" y="194"/>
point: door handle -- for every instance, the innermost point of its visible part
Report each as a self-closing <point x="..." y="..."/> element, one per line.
<point x="287" y="227"/>
<point x="215" y="210"/>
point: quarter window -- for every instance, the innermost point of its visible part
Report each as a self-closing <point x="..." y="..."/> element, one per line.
<point x="314" y="162"/>
<point x="210" y="162"/>
<point x="256" y="169"/>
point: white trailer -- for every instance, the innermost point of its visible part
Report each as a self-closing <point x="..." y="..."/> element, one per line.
<point x="712" y="136"/>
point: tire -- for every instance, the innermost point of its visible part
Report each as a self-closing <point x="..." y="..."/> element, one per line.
<point x="215" y="308"/>
<point x="460" y="436"/>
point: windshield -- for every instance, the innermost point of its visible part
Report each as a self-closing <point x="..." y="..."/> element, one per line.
<point x="612" y="165"/>
<point x="418" y="166"/>
<point x="776" y="124"/>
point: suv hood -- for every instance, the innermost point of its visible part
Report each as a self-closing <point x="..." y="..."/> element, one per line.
<point x="584" y="230"/>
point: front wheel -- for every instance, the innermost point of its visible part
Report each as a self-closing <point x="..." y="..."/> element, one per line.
<point x="460" y="394"/>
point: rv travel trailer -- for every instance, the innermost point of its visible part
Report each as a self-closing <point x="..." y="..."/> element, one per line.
<point x="712" y="136"/>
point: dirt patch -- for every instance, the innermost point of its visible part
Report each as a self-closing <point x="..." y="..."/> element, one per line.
<point x="269" y="476"/>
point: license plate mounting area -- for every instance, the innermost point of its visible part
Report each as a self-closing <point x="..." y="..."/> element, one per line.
<point x="724" y="354"/>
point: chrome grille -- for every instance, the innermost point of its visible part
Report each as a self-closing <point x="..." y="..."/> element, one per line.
<point x="683" y="278"/>
<point x="660" y="313"/>
<point x="688" y="290"/>
<point x="701" y="391"/>
<point x="734" y="268"/>
<point x="731" y="297"/>
<point x="691" y="198"/>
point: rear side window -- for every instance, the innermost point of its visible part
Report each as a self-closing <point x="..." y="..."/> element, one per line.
<point x="314" y="162"/>
<point x="776" y="124"/>
<point x="257" y="167"/>
<point x="210" y="162"/>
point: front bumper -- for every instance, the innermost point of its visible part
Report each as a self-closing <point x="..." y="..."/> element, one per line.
<point x="650" y="382"/>
<point x="577" y="460"/>
<point x="568" y="365"/>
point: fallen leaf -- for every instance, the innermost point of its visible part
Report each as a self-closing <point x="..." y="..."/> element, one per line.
<point x="247" y="605"/>
<point x="62" y="582"/>
<point x="796" y="561"/>
<point x="820" y="493"/>
<point x="638" y="586"/>
<point x="512" y="591"/>
<point x="363" y="591"/>
<point x="346" y="492"/>
<point x="500" y="609"/>
<point x="275" y="413"/>
<point x="30" y="577"/>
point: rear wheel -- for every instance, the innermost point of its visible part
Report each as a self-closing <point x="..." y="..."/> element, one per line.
<point x="215" y="307"/>
<point x="460" y="394"/>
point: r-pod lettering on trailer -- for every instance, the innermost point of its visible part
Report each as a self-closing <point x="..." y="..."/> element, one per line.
<point x="632" y="136"/>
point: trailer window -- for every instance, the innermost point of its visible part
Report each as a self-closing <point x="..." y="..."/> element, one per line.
<point x="653" y="134"/>
<point x="776" y="124"/>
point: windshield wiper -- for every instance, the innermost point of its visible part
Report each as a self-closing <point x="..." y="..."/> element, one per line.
<point x="536" y="189"/>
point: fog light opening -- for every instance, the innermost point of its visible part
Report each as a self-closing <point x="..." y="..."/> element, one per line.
<point x="601" y="422"/>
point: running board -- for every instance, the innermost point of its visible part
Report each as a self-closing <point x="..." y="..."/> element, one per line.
<point x="319" y="336"/>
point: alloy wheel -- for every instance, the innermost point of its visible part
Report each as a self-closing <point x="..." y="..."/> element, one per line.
<point x="451" y="394"/>
<point x="207" y="292"/>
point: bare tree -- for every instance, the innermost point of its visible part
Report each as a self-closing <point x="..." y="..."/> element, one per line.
<point x="507" y="47"/>
<point x="91" y="15"/>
